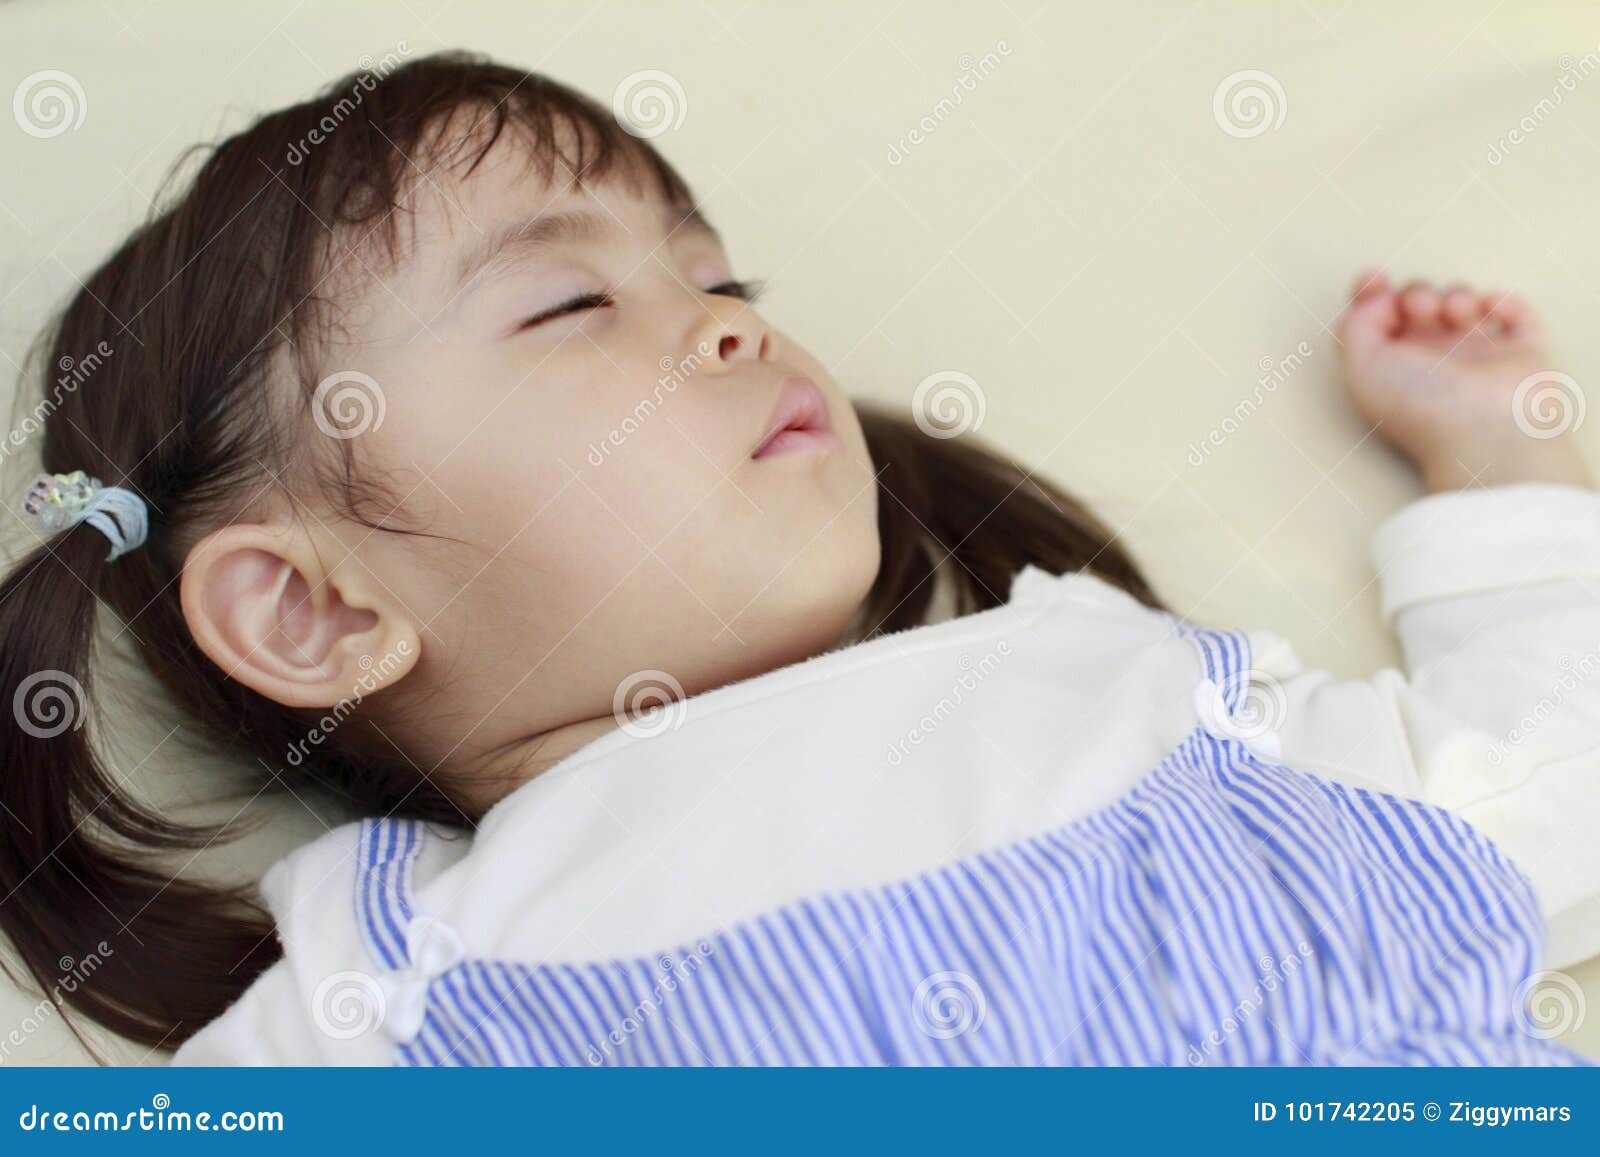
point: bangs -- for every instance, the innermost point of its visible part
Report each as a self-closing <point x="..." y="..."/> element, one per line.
<point x="446" y="114"/>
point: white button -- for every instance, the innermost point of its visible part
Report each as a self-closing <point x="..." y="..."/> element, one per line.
<point x="1257" y="736"/>
<point x="432" y="947"/>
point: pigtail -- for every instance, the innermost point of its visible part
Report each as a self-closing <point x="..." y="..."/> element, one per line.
<point x="94" y="917"/>
<point x="179" y="360"/>
<point x="953" y="503"/>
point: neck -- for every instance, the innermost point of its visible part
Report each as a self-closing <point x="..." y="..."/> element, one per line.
<point x="500" y="771"/>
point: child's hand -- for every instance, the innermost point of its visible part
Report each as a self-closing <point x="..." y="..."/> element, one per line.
<point x="1437" y="373"/>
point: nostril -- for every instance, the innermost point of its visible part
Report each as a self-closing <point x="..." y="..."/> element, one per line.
<point x="727" y="347"/>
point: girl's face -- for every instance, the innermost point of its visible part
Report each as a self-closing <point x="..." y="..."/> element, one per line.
<point x="574" y="393"/>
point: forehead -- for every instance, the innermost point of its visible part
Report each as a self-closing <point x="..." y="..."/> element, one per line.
<point x="461" y="221"/>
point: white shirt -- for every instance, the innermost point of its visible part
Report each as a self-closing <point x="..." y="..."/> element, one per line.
<point x="874" y="762"/>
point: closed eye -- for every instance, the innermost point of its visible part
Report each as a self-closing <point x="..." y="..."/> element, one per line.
<point x="749" y="291"/>
<point x="744" y="290"/>
<point x="574" y="305"/>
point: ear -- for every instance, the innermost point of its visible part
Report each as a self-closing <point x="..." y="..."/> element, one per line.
<point x="263" y="608"/>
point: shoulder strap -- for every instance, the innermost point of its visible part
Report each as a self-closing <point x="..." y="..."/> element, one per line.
<point x="1225" y="659"/>
<point x="387" y="851"/>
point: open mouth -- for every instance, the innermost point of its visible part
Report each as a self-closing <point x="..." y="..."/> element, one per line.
<point x="799" y="422"/>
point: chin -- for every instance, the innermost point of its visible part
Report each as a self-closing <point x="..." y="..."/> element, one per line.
<point x="810" y="605"/>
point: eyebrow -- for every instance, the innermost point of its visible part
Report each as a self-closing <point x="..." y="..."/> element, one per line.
<point x="545" y="232"/>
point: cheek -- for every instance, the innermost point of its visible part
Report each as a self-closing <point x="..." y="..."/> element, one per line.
<point x="502" y="443"/>
<point x="478" y="482"/>
<point x="657" y="461"/>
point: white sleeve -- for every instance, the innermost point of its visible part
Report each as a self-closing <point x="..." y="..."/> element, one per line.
<point x="1494" y="595"/>
<point x="321" y="1004"/>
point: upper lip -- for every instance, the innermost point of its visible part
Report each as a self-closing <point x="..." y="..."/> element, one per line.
<point x="800" y="406"/>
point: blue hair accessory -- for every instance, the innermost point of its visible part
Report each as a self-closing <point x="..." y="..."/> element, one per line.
<point x="56" y="501"/>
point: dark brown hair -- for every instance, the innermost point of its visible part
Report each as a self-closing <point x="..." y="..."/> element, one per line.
<point x="183" y="325"/>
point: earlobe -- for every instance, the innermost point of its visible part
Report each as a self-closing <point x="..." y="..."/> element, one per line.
<point x="263" y="608"/>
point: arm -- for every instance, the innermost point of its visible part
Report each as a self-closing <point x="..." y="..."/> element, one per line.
<point x="1495" y="597"/>
<point x="1492" y="584"/>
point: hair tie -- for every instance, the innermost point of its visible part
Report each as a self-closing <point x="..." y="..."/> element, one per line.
<point x="56" y="501"/>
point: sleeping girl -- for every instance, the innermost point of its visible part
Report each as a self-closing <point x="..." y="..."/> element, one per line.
<point x="692" y="714"/>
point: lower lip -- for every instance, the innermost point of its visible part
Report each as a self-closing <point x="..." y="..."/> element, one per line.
<point x="800" y="442"/>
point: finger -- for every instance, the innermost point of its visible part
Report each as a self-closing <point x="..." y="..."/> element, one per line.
<point x="1420" y="303"/>
<point x="1461" y="307"/>
<point x="1369" y="281"/>
<point x="1510" y="311"/>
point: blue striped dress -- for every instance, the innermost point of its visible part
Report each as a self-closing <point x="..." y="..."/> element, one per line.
<point x="1227" y="911"/>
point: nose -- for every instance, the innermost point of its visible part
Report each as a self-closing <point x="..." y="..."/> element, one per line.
<point x="731" y="332"/>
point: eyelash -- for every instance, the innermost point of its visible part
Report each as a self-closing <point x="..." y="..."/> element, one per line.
<point x="746" y="291"/>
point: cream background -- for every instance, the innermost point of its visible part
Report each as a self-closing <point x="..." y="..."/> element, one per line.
<point x="1079" y="235"/>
